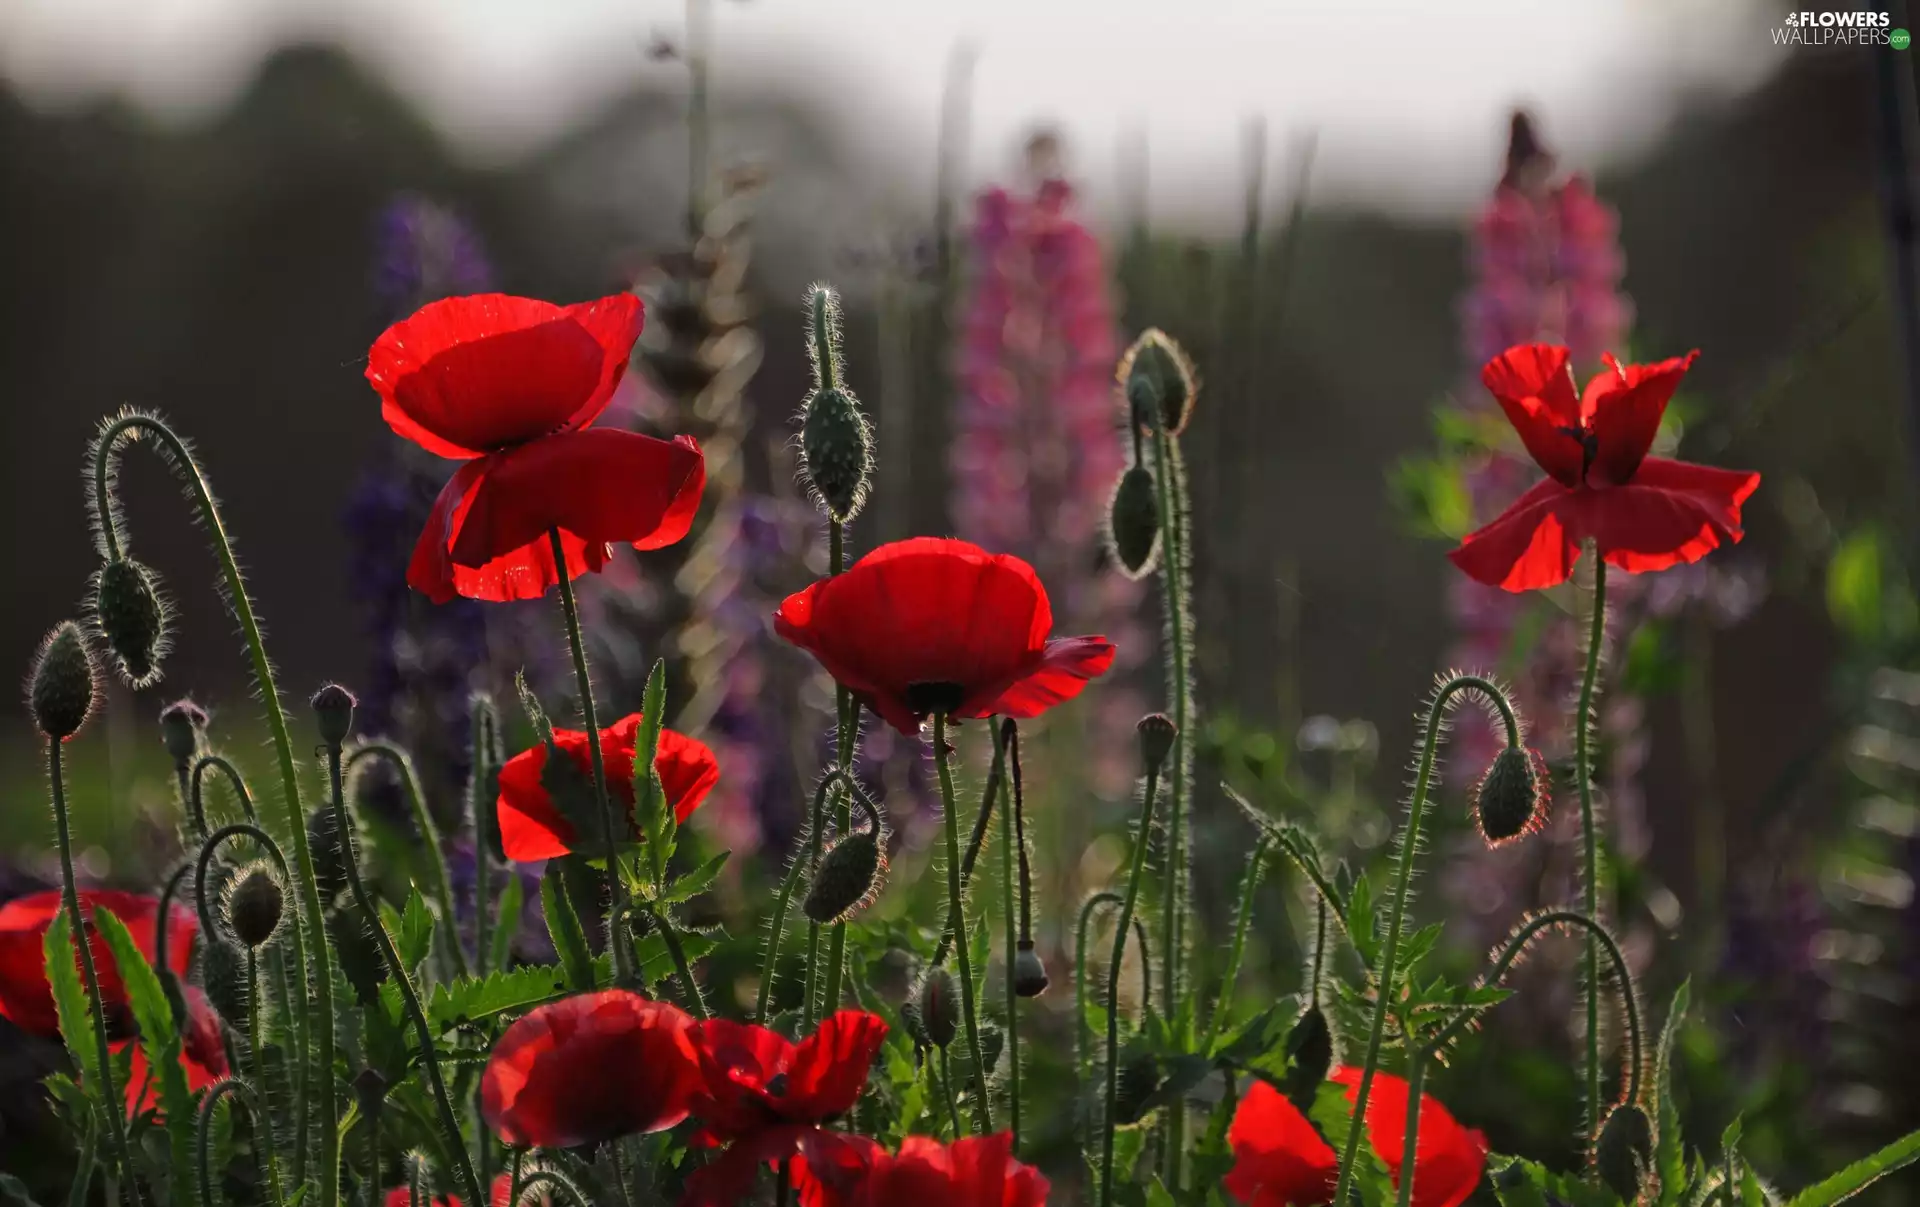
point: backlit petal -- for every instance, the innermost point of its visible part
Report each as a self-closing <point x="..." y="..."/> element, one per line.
<point x="1534" y="386"/>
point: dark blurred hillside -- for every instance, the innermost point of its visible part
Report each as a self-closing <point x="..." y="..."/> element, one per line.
<point x="222" y="275"/>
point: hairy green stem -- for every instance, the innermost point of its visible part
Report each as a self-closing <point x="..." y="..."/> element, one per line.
<point x="402" y="977"/>
<point x="1082" y="1036"/>
<point x="262" y="1116"/>
<point x="226" y="1087"/>
<point x="696" y="1003"/>
<point x="1403" y="885"/>
<point x="196" y="791"/>
<point x="947" y="1094"/>
<point x="480" y="757"/>
<point x="1242" y="918"/>
<point x="776" y="928"/>
<point x="1170" y="492"/>
<point x="1003" y="739"/>
<point x="317" y="1019"/>
<point x="977" y="840"/>
<point x="442" y="885"/>
<point x="1589" y="843"/>
<point x="1142" y="836"/>
<point x="110" y="1103"/>
<point x="609" y="821"/>
<point x="957" y="920"/>
<point x="846" y="711"/>
<point x="1410" y="1151"/>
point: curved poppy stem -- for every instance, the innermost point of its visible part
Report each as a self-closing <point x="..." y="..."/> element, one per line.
<point x="228" y="1087"/>
<point x="196" y="791"/>
<point x="957" y="920"/>
<point x="776" y="930"/>
<point x="317" y="1020"/>
<point x="609" y="822"/>
<point x="1410" y="1150"/>
<point x="846" y="711"/>
<point x="1589" y="843"/>
<point x="1409" y="841"/>
<point x="110" y="1103"/>
<point x="442" y="886"/>
<point x="1082" y="1033"/>
<point x="1141" y="837"/>
<point x="402" y="977"/>
<point x="696" y="1002"/>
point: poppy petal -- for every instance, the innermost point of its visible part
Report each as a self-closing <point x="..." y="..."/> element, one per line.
<point x="830" y="1167"/>
<point x="25" y="998"/>
<point x="1065" y="667"/>
<point x="1279" y="1160"/>
<point x="728" y="1179"/>
<point x="615" y="323"/>
<point x="533" y="827"/>
<point x="1527" y="547"/>
<point x="1449" y="1159"/>
<point x="829" y="1068"/>
<point x="602" y="486"/>
<point x="1624" y="406"/>
<point x="523" y="573"/>
<point x="1534" y="386"/>
<point x="1672" y="512"/>
<point x="469" y="375"/>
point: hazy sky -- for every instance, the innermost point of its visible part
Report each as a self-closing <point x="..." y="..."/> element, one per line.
<point x="1407" y="97"/>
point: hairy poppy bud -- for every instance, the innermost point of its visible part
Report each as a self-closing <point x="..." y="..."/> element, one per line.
<point x="1133" y="522"/>
<point x="254" y="904"/>
<point x="1625" y="1150"/>
<point x="333" y="707"/>
<point x="131" y="616"/>
<point x="183" y="730"/>
<point x="1139" y="1078"/>
<point x="1029" y="971"/>
<point x="370" y="1091"/>
<point x="1157" y="732"/>
<point x="357" y="954"/>
<point x="223" y="974"/>
<point x="1158" y="378"/>
<point x="938" y="1004"/>
<point x="846" y="877"/>
<point x="836" y="451"/>
<point x="62" y="688"/>
<point x="1309" y="1055"/>
<point x="1511" y="798"/>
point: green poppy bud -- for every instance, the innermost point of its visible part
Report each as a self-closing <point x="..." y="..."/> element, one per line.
<point x="61" y="689"/>
<point x="846" y="879"/>
<point x="1511" y="798"/>
<point x="254" y="905"/>
<point x="1157" y="732"/>
<point x="333" y="707"/>
<point x="836" y="451"/>
<point x="223" y="974"/>
<point x="938" y="1003"/>
<point x="1133" y="522"/>
<point x="132" y="617"/>
<point x="1029" y="970"/>
<point x="1158" y="379"/>
<point x="1309" y="1056"/>
<point x="183" y="731"/>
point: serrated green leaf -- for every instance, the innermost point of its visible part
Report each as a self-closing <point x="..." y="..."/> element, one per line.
<point x="1415" y="948"/>
<point x="476" y="999"/>
<point x="70" y="999"/>
<point x="506" y="922"/>
<point x="530" y="703"/>
<point x="414" y="935"/>
<point x="699" y="880"/>
<point x="563" y="925"/>
<point x="1523" y="1183"/>
<point x="651" y="813"/>
<point x="159" y="1038"/>
<point x="654" y="962"/>
<point x="1158" y="1195"/>
<point x="1669" y="1148"/>
<point x="1333" y="1114"/>
<point x="1861" y="1174"/>
<point x="1360" y="921"/>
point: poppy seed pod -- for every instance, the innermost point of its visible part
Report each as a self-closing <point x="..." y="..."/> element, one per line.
<point x="1159" y="382"/>
<point x="1133" y="522"/>
<point x="254" y="905"/>
<point x="1029" y="971"/>
<point x="61" y="689"/>
<point x="132" y="617"/>
<point x="1511" y="798"/>
<point x="1624" y="1150"/>
<point x="846" y="878"/>
<point x="836" y="451"/>
<point x="333" y="707"/>
<point x="183" y="729"/>
<point x="937" y="1002"/>
<point x="1157" y="732"/>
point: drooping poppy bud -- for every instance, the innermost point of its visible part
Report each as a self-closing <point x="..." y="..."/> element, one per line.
<point x="333" y="707"/>
<point x="1159" y="380"/>
<point x="938" y="1004"/>
<point x="1309" y="1056"/>
<point x="1029" y="971"/>
<point x="61" y="689"/>
<point x="1133" y="522"/>
<point x="223" y="974"/>
<point x="846" y="878"/>
<point x="1511" y="798"/>
<point x="1139" y="1078"/>
<point x="1157" y="732"/>
<point x="1624" y="1151"/>
<point x="132" y="617"/>
<point x="183" y="731"/>
<point x="254" y="905"/>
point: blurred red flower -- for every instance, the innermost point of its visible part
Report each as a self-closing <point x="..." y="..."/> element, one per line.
<point x="497" y="1195"/>
<point x="589" y="1068"/>
<point x="763" y="1095"/>
<point x="1642" y="513"/>
<point x="203" y="1057"/>
<point x="930" y="625"/>
<point x="531" y="824"/>
<point x="25" y="998"/>
<point x="508" y="384"/>
<point x="1280" y="1160"/>
<point x="839" y="1170"/>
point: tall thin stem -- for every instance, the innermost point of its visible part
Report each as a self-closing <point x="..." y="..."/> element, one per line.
<point x="1170" y="488"/>
<point x="1082" y="1035"/>
<point x="1410" y="1152"/>
<point x="262" y="1117"/>
<point x="1140" y="840"/>
<point x="1402" y="889"/>
<point x="957" y="919"/>
<point x="1242" y="919"/>
<point x="423" y="820"/>
<point x="1589" y="843"/>
<point x="480" y="756"/>
<point x="776" y="929"/>
<point x="317" y="1020"/>
<point x="1001" y="742"/>
<point x="110" y="1104"/>
<point x="846" y="711"/>
<point x="609" y="823"/>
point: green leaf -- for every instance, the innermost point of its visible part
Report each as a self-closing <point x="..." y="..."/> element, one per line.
<point x="530" y="703"/>
<point x="1334" y="1116"/>
<point x="699" y="880"/>
<point x="159" y="1038"/>
<point x="651" y="814"/>
<point x="414" y="935"/>
<point x="70" y="999"/>
<point x="506" y="922"/>
<point x="1360" y="921"/>
<point x="564" y="927"/>
<point x="1523" y="1183"/>
<point x="1415" y="948"/>
<point x="1158" y="1195"/>
<point x="476" y="999"/>
<point x="1669" y="1148"/>
<point x="1861" y="1174"/>
<point x="656" y="965"/>
<point x="571" y="789"/>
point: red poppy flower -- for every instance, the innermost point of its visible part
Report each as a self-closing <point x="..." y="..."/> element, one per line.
<point x="497" y="1195"/>
<point x="927" y="625"/>
<point x="589" y="1068"/>
<point x="1281" y="1161"/>
<point x="202" y="1054"/>
<point x="837" y="1170"/>
<point x="531" y="824"/>
<point x="25" y="997"/>
<point x="763" y="1094"/>
<point x="508" y="385"/>
<point x="1642" y="513"/>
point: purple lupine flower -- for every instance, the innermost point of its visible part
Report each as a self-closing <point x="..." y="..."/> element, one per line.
<point x="425" y="253"/>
